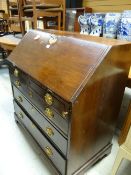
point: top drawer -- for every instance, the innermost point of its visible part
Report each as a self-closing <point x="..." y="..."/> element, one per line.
<point x="49" y="98"/>
<point x="28" y="86"/>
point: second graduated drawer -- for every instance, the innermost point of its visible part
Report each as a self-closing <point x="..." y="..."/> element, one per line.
<point x="54" y="135"/>
<point x="56" y="119"/>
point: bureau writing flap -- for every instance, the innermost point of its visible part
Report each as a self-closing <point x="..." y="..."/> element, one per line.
<point x="63" y="62"/>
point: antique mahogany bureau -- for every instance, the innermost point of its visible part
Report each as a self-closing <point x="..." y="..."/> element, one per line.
<point x="67" y="92"/>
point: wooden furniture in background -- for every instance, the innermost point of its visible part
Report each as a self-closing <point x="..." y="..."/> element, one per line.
<point x="108" y="5"/>
<point x="126" y="126"/>
<point x="127" y="122"/>
<point x="2" y="12"/>
<point x="25" y="15"/>
<point x="3" y="5"/>
<point x="13" y="16"/>
<point x="56" y="10"/>
<point x="124" y="151"/>
<point x="31" y="10"/>
<point x="3" y="23"/>
<point x="69" y="99"/>
<point x="7" y="44"/>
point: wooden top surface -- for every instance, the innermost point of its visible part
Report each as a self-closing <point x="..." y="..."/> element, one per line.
<point x="102" y="40"/>
<point x="9" y="40"/>
<point x="65" y="66"/>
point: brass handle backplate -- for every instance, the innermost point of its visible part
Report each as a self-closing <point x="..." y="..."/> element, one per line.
<point x="49" y="131"/>
<point x="20" y="115"/>
<point x="19" y="99"/>
<point x="30" y="94"/>
<point x="48" y="99"/>
<point x="64" y="114"/>
<point x="16" y="73"/>
<point x="49" y="113"/>
<point x="17" y="83"/>
<point x="48" y="151"/>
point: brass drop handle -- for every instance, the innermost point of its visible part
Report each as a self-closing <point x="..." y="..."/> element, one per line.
<point x="17" y="83"/>
<point x="48" y="151"/>
<point x="20" y="115"/>
<point x="64" y="114"/>
<point x="49" y="131"/>
<point x="49" y="113"/>
<point x="16" y="73"/>
<point x="19" y="99"/>
<point x="30" y="94"/>
<point x="48" y="99"/>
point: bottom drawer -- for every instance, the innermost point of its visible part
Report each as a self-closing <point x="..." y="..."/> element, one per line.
<point x="50" y="151"/>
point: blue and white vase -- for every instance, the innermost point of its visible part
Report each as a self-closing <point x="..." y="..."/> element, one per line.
<point x="111" y="24"/>
<point x="83" y="20"/>
<point x="124" y="28"/>
<point x="96" y="23"/>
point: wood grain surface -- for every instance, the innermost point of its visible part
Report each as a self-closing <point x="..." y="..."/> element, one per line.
<point x="56" y="67"/>
<point x="89" y="74"/>
<point x="107" y="5"/>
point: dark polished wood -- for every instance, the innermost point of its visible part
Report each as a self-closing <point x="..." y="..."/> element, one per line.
<point x="64" y="79"/>
<point x="35" y="93"/>
<point x="53" y="155"/>
<point x="85" y="78"/>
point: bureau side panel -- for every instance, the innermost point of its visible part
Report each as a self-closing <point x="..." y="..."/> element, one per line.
<point x="94" y="115"/>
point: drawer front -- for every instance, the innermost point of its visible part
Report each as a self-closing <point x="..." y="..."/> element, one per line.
<point x="46" y="127"/>
<point x="49" y="150"/>
<point x="20" y="79"/>
<point x="49" y="111"/>
<point x="41" y="99"/>
<point x="50" y="99"/>
<point x="55" y="118"/>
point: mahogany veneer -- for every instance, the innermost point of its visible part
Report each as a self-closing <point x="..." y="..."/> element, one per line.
<point x="67" y="92"/>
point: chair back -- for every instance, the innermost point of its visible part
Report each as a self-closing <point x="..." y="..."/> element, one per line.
<point x="12" y="2"/>
<point x="29" y="2"/>
<point x="53" y="1"/>
<point x="61" y="2"/>
<point x="45" y="1"/>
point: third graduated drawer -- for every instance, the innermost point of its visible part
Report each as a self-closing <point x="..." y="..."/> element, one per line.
<point x="58" y="137"/>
